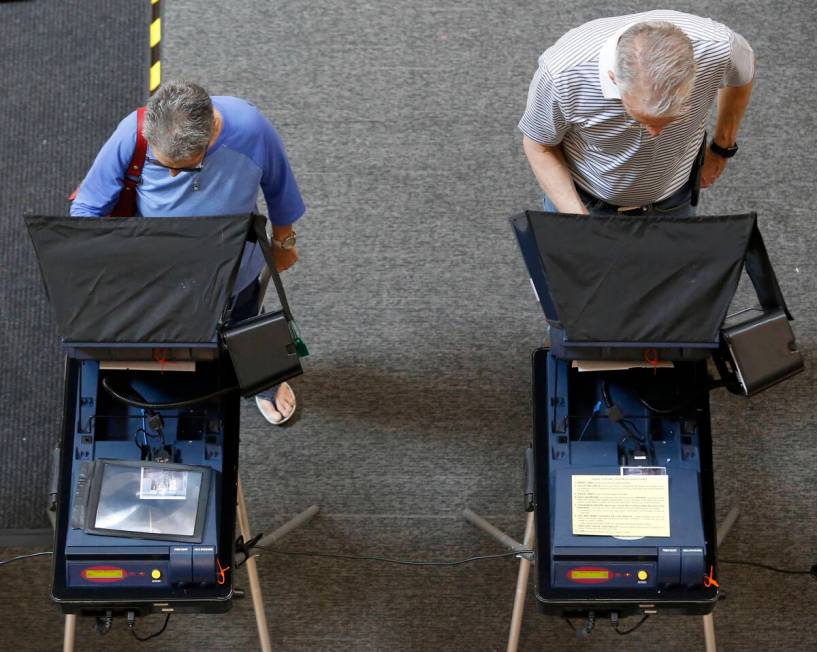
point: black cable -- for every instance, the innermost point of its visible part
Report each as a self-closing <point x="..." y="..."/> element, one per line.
<point x="150" y="636"/>
<point x="785" y="571"/>
<point x="684" y="402"/>
<point x="624" y="632"/>
<point x="19" y="557"/>
<point x="166" y="406"/>
<point x="634" y="433"/>
<point x="145" y="432"/>
<point x="675" y="408"/>
<point x="605" y="394"/>
<point x="405" y="562"/>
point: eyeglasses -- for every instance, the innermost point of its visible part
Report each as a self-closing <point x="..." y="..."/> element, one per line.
<point x="170" y="167"/>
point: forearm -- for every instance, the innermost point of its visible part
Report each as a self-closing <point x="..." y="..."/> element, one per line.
<point x="551" y="171"/>
<point x="732" y="103"/>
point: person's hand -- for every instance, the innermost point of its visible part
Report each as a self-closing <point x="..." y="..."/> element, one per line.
<point x="712" y="168"/>
<point x="284" y="258"/>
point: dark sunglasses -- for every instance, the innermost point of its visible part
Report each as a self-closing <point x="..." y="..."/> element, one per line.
<point x="168" y="167"/>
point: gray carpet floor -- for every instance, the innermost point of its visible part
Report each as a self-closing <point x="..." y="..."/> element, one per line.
<point x="399" y="120"/>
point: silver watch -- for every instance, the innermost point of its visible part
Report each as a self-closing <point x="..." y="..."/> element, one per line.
<point x="288" y="242"/>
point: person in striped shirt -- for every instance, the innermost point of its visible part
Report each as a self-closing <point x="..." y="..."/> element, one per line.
<point x="618" y="108"/>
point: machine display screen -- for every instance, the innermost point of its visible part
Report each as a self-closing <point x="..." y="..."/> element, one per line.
<point x="590" y="574"/>
<point x="104" y="574"/>
<point x="148" y="500"/>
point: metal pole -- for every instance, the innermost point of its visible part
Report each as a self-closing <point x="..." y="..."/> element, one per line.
<point x="252" y="572"/>
<point x="521" y="588"/>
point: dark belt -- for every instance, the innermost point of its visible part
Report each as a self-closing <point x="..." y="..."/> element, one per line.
<point x="665" y="204"/>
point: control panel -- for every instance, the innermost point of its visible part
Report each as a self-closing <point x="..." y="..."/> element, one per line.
<point x="180" y="565"/>
<point x="611" y="574"/>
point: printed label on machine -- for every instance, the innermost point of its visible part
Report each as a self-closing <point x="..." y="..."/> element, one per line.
<point x="621" y="505"/>
<point x="643" y="470"/>
<point x="162" y="485"/>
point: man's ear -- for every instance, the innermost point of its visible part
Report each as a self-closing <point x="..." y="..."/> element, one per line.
<point x="612" y="76"/>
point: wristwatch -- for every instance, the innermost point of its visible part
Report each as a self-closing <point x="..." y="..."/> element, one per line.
<point x="288" y="242"/>
<point x="725" y="152"/>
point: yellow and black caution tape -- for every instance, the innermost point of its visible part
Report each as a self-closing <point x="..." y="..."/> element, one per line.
<point x="155" y="45"/>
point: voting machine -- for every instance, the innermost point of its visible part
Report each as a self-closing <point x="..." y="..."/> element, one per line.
<point x="147" y="479"/>
<point x="624" y="496"/>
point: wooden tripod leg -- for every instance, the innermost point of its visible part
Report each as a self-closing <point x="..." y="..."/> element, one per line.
<point x="252" y="572"/>
<point x="521" y="587"/>
<point x="70" y="633"/>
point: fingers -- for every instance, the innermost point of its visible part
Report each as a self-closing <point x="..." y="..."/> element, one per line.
<point x="284" y="259"/>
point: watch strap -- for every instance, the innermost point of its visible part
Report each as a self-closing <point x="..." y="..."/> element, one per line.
<point x="725" y="152"/>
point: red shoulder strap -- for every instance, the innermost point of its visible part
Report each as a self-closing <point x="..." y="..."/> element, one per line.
<point x="126" y="204"/>
<point x="137" y="162"/>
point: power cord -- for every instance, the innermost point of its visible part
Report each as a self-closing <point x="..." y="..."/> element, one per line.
<point x="786" y="571"/>
<point x="684" y="402"/>
<point x="19" y="557"/>
<point x="166" y="406"/>
<point x="388" y="560"/>
<point x="132" y="623"/>
<point x="614" y="621"/>
<point x="585" y="630"/>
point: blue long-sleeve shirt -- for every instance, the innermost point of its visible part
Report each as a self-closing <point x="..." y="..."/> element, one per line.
<point x="247" y="155"/>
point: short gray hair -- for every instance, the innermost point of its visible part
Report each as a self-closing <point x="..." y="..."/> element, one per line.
<point x="655" y="63"/>
<point x="179" y="120"/>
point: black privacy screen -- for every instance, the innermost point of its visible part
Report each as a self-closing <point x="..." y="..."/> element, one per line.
<point x="626" y="279"/>
<point x="138" y="280"/>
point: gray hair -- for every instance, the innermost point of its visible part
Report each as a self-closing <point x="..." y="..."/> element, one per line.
<point x="179" y="120"/>
<point x="656" y="64"/>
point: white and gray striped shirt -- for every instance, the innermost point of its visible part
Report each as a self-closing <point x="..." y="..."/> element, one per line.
<point x="572" y="101"/>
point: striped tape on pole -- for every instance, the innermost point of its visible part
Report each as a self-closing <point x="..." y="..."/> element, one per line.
<point x="155" y="45"/>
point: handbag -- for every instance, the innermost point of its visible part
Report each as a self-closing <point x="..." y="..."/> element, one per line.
<point x="266" y="349"/>
<point x="760" y="352"/>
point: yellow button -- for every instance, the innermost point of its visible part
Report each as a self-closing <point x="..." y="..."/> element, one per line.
<point x="642" y="575"/>
<point x="156" y="573"/>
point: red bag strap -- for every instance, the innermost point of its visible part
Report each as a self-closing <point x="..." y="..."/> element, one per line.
<point x="137" y="162"/>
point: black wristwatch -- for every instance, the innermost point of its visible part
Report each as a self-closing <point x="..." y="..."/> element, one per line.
<point x="725" y="152"/>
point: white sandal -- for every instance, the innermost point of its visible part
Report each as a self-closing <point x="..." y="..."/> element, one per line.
<point x="275" y="405"/>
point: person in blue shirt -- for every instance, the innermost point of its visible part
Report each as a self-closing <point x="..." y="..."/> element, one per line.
<point x="206" y="156"/>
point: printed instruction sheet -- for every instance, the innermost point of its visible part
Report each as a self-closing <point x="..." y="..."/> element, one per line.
<point x="621" y="505"/>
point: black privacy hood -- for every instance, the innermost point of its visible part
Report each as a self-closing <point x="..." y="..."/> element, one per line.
<point x="645" y="280"/>
<point x="136" y="280"/>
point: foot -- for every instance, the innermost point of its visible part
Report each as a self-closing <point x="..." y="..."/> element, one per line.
<point x="279" y="409"/>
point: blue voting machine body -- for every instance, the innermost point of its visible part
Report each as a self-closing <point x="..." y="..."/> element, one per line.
<point x="635" y="308"/>
<point x="155" y="363"/>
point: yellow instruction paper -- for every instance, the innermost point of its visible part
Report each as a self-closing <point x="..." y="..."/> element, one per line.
<point x="621" y="505"/>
